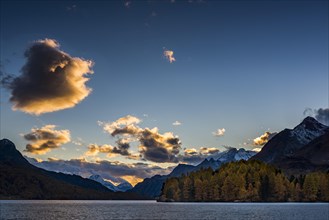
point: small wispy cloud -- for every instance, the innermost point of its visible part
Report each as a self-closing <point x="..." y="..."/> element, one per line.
<point x="127" y="4"/>
<point x="169" y="55"/>
<point x="71" y="8"/>
<point x="176" y="123"/>
<point x="219" y="132"/>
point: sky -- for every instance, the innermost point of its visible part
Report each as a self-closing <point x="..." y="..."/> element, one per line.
<point x="140" y="86"/>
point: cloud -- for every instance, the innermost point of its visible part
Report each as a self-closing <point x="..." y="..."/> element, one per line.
<point x="121" y="149"/>
<point x="208" y="150"/>
<point x="94" y="149"/>
<point x="5" y="78"/>
<point x="43" y="140"/>
<point x="127" y="4"/>
<point x="264" y="138"/>
<point x="194" y="156"/>
<point x="322" y="115"/>
<point x="121" y="123"/>
<point x="219" y="132"/>
<point x="50" y="80"/>
<point x="157" y="147"/>
<point x="176" y="123"/>
<point x="190" y="152"/>
<point x="115" y="171"/>
<point x="153" y="146"/>
<point x="71" y="7"/>
<point x="169" y="55"/>
<point x="257" y="149"/>
<point x="308" y="112"/>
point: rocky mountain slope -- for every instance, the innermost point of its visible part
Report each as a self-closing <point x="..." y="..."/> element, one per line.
<point x="302" y="149"/>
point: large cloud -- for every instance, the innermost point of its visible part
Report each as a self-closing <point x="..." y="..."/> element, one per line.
<point x="45" y="139"/>
<point x="153" y="146"/>
<point x="51" y="80"/>
<point x="114" y="171"/>
<point x="263" y="139"/>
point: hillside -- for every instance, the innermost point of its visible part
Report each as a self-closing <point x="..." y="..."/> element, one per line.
<point x="246" y="181"/>
<point x="21" y="180"/>
<point x="151" y="187"/>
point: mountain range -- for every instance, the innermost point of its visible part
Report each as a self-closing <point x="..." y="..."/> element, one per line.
<point x="151" y="187"/>
<point x="21" y="180"/>
<point x="300" y="150"/>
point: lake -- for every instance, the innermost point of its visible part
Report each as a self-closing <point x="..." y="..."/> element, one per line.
<point x="57" y="209"/>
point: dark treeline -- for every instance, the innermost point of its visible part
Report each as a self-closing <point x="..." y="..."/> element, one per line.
<point x="249" y="181"/>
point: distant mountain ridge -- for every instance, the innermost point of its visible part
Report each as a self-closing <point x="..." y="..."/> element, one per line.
<point x="21" y="180"/>
<point x="122" y="187"/>
<point x="151" y="187"/>
<point x="302" y="149"/>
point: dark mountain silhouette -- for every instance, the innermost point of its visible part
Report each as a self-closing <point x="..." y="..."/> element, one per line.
<point x="300" y="150"/>
<point x="312" y="157"/>
<point x="21" y="180"/>
<point x="151" y="187"/>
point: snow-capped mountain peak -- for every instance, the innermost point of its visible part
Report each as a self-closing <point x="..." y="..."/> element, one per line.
<point x="233" y="154"/>
<point x="243" y="154"/>
<point x="99" y="179"/>
<point x="122" y="187"/>
<point x="308" y="130"/>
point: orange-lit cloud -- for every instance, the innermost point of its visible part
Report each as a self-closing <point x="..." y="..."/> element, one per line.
<point x="219" y="132"/>
<point x="263" y="139"/>
<point x="133" y="180"/>
<point x="194" y="156"/>
<point x="190" y="151"/>
<point x="124" y="122"/>
<point x="208" y="150"/>
<point x="122" y="149"/>
<point x="153" y="146"/>
<point x="169" y="55"/>
<point x="257" y="149"/>
<point x="43" y="140"/>
<point x="51" y="80"/>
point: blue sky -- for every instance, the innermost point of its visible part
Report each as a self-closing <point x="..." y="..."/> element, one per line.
<point x="246" y="66"/>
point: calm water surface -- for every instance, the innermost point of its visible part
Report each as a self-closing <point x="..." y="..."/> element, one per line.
<point x="152" y="210"/>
